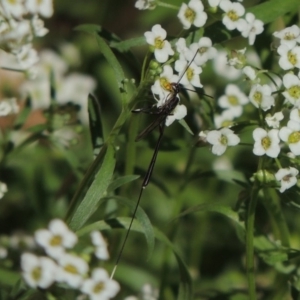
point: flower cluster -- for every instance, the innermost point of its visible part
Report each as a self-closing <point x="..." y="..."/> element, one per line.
<point x="20" y="23"/>
<point x="73" y="87"/>
<point x="62" y="266"/>
<point x="188" y="65"/>
<point x="190" y="58"/>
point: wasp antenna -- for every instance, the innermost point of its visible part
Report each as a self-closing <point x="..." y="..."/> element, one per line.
<point x="191" y="61"/>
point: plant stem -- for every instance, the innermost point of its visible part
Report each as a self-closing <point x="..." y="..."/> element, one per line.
<point x="163" y="4"/>
<point x="249" y="242"/>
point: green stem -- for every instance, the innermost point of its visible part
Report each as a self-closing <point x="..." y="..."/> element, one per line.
<point x="250" y="242"/>
<point x="250" y="236"/>
<point x="163" y="4"/>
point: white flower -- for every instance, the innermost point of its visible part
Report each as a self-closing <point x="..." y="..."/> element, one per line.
<point x="3" y="252"/>
<point x="250" y="27"/>
<point x="71" y="270"/>
<point x="100" y="286"/>
<point x="14" y="8"/>
<point x="261" y="96"/>
<point x="56" y="239"/>
<point x="289" y="36"/>
<point x="3" y="189"/>
<point x="19" y="240"/>
<point x="8" y="106"/>
<point x="163" y="86"/>
<point x="27" y="56"/>
<point x="222" y="68"/>
<point x="291" y="135"/>
<point x="295" y="115"/>
<point x="177" y="114"/>
<point x="100" y="244"/>
<point x="237" y="58"/>
<point x="42" y="7"/>
<point x="39" y="92"/>
<point x="287" y="178"/>
<point x="233" y="12"/>
<point x="156" y="38"/>
<point x="266" y="142"/>
<point x="181" y="48"/>
<point x="221" y="139"/>
<point x="192" y="14"/>
<point x="38" y="26"/>
<point x="191" y="74"/>
<point x="145" y="4"/>
<point x="75" y="88"/>
<point x="233" y="99"/>
<point x="291" y="83"/>
<point x="289" y="56"/>
<point x="273" y="121"/>
<point x="204" y="50"/>
<point x="38" y="271"/>
<point x="249" y="72"/>
<point x="225" y="119"/>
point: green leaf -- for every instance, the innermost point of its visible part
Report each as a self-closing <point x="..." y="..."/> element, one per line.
<point x="97" y="32"/>
<point x="95" y="192"/>
<point x="88" y="28"/>
<point x="8" y="277"/>
<point x="215" y="207"/>
<point x="185" y="286"/>
<point x="125" y="46"/>
<point x="270" y="10"/>
<point x="96" y="129"/>
<point x="141" y="216"/>
<point x="183" y="123"/>
<point x="111" y="59"/>
<point x="121" y="181"/>
<point x="23" y="115"/>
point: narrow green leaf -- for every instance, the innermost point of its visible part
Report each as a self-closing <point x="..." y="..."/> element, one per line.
<point x="185" y="286"/>
<point x="141" y="217"/>
<point x="214" y="207"/>
<point x="270" y="10"/>
<point x="95" y="192"/>
<point x="121" y="181"/>
<point x="88" y="28"/>
<point x="96" y="129"/>
<point x="111" y="59"/>
<point x="125" y="46"/>
<point x="101" y="35"/>
<point x="23" y="115"/>
<point x="183" y="123"/>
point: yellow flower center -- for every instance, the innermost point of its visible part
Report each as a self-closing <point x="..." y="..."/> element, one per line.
<point x="223" y="140"/>
<point x="289" y="36"/>
<point x="36" y="273"/>
<point x="233" y="100"/>
<point x="202" y="50"/>
<point x="56" y="240"/>
<point x="99" y="287"/>
<point x="294" y="91"/>
<point x="226" y="123"/>
<point x="158" y="43"/>
<point x="294" y="137"/>
<point x="257" y="97"/>
<point x="232" y="15"/>
<point x="292" y="58"/>
<point x="266" y="142"/>
<point x="190" y="74"/>
<point x="71" y="269"/>
<point x="165" y="84"/>
<point x="190" y="15"/>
